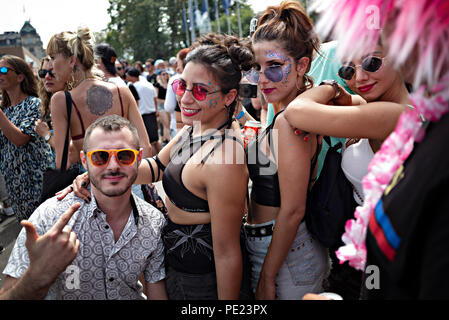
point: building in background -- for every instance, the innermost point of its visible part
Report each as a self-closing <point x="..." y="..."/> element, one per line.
<point x="26" y="44"/>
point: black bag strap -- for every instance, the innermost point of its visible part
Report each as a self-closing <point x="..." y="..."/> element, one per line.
<point x="65" y="155"/>
<point x="328" y="140"/>
<point x="337" y="146"/>
<point x="314" y="162"/>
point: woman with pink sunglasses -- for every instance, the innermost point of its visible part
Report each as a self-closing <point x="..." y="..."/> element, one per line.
<point x="204" y="176"/>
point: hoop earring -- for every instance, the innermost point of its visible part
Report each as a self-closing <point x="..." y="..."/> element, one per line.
<point x="71" y="84"/>
<point x="297" y="86"/>
<point x="303" y="88"/>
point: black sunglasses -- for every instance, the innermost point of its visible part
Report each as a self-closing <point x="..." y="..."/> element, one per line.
<point x="43" y="72"/>
<point x="4" y="70"/>
<point x="369" y="64"/>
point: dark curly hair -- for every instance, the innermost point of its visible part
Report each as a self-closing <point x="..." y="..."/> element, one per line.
<point x="225" y="57"/>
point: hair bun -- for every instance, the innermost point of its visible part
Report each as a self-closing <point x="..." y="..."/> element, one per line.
<point x="237" y="49"/>
<point x="240" y="53"/>
<point x="84" y="34"/>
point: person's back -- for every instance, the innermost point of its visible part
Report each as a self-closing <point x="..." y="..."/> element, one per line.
<point x="90" y="100"/>
<point x="72" y="57"/>
<point x="118" y="81"/>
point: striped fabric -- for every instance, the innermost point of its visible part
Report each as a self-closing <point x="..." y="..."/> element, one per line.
<point x="381" y="228"/>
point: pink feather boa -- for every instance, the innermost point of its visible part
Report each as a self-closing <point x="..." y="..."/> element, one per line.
<point x="394" y="151"/>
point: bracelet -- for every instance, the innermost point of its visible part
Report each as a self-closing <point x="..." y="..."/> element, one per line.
<point x="241" y="113"/>
<point x="334" y="85"/>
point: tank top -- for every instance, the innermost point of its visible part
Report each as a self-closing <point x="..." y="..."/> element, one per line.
<point x="263" y="171"/>
<point x="354" y="163"/>
<point x="172" y="182"/>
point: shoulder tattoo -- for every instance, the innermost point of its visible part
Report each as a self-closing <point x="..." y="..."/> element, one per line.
<point x="99" y="100"/>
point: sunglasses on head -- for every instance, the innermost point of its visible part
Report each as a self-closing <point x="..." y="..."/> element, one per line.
<point x="198" y="91"/>
<point x="43" y="72"/>
<point x="100" y="158"/>
<point x="369" y="64"/>
<point x="273" y="73"/>
<point x="4" y="70"/>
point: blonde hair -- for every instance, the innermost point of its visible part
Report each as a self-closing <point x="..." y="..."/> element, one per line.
<point x="44" y="95"/>
<point x="79" y="45"/>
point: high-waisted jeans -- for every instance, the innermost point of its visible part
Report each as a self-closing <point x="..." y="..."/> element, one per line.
<point x="304" y="269"/>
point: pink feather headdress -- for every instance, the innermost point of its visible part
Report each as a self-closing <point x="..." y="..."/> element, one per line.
<point x="417" y="36"/>
<point x="420" y="26"/>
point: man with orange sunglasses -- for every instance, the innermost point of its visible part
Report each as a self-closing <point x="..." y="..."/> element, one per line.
<point x="71" y="249"/>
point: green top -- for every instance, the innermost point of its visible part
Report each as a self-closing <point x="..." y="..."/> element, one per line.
<point x="325" y="67"/>
<point x="270" y="114"/>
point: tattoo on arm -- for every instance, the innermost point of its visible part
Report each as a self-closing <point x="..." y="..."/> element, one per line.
<point x="99" y="100"/>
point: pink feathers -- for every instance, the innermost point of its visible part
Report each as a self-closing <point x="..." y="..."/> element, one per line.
<point x="408" y="26"/>
<point x="416" y="33"/>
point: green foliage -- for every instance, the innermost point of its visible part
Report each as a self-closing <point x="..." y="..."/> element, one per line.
<point x="246" y="14"/>
<point x="142" y="29"/>
<point x="153" y="28"/>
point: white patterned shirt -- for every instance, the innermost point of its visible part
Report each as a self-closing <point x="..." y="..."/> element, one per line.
<point x="103" y="268"/>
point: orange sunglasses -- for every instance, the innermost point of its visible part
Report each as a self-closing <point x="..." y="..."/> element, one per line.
<point x="100" y="158"/>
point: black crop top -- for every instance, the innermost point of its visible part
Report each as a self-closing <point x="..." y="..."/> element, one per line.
<point x="175" y="189"/>
<point x="263" y="171"/>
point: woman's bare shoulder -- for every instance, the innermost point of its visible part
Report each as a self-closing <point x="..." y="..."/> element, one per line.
<point x="56" y="100"/>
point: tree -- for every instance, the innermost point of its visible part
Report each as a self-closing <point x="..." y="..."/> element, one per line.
<point x="246" y="14"/>
<point x="153" y="28"/>
<point x="142" y="29"/>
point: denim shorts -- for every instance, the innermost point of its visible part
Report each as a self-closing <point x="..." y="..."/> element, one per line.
<point x="304" y="269"/>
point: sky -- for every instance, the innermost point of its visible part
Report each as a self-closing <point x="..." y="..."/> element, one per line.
<point x="52" y="16"/>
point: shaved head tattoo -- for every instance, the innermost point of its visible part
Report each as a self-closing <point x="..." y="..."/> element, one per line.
<point x="99" y="100"/>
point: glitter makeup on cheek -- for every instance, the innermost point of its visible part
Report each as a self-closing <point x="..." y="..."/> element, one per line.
<point x="288" y="68"/>
<point x="214" y="100"/>
<point x="213" y="103"/>
<point x="276" y="55"/>
<point x="286" y="72"/>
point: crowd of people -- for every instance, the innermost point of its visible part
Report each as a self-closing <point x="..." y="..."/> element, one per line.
<point x="235" y="225"/>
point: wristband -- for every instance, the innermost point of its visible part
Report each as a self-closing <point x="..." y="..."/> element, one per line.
<point x="334" y="85"/>
<point x="241" y="113"/>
